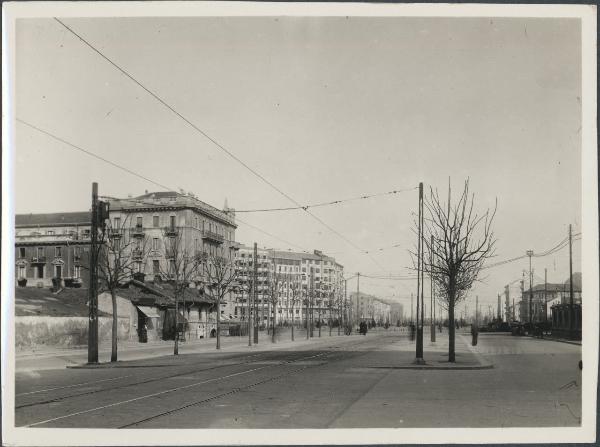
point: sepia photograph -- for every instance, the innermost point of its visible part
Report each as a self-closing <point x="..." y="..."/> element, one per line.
<point x="349" y="223"/>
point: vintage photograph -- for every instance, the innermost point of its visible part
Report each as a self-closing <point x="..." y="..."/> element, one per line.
<point x="278" y="217"/>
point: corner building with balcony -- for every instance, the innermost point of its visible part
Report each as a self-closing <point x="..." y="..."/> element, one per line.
<point x="153" y="219"/>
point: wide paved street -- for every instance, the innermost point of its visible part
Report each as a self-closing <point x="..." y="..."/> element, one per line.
<point x="339" y="382"/>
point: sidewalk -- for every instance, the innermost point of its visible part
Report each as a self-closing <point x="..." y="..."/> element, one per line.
<point x="53" y="358"/>
<point x="435" y="355"/>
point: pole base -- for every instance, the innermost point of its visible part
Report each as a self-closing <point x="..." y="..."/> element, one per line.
<point x="419" y="361"/>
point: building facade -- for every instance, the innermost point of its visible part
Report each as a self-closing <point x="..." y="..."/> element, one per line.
<point x="167" y="227"/>
<point x="369" y="307"/>
<point x="545" y="296"/>
<point x="52" y="245"/>
<point x="303" y="284"/>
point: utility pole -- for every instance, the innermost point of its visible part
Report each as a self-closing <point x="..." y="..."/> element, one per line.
<point x="250" y="294"/>
<point x="358" y="316"/>
<point x="571" y="325"/>
<point x="499" y="309"/>
<point x="507" y="304"/>
<point x="93" y="287"/>
<point x="419" y="343"/>
<point x="530" y="254"/>
<point x="476" y="311"/>
<point x="411" y="309"/>
<point x="545" y="295"/>
<point x="432" y="306"/>
<point x="255" y="276"/>
<point x="311" y="296"/>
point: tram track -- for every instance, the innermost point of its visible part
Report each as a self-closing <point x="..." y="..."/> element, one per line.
<point x="192" y="369"/>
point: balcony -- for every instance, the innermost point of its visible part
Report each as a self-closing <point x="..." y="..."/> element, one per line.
<point x="137" y="231"/>
<point x="137" y="254"/>
<point x="38" y="260"/>
<point x="212" y="236"/>
<point x="171" y="231"/>
<point x="114" y="233"/>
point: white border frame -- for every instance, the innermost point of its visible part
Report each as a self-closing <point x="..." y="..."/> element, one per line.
<point x="29" y="436"/>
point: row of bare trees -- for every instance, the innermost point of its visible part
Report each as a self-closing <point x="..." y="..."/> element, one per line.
<point x="123" y="252"/>
<point x="296" y="296"/>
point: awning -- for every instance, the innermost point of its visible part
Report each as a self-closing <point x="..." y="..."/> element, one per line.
<point x="149" y="311"/>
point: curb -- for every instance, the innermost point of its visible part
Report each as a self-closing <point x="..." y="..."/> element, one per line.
<point x="558" y="340"/>
<point x="435" y="367"/>
<point x="477" y="355"/>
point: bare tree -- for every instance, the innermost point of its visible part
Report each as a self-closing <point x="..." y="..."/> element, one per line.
<point x="221" y="278"/>
<point x="294" y="288"/>
<point x="122" y="253"/>
<point x="462" y="240"/>
<point x="183" y="266"/>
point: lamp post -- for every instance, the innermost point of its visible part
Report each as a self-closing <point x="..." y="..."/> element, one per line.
<point x="530" y="254"/>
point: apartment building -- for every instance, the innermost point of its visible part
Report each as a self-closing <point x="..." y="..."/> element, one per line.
<point x="303" y="281"/>
<point x="52" y="245"/>
<point x="158" y="221"/>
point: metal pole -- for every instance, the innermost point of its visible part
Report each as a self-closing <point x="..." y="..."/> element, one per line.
<point x="571" y="325"/>
<point x="93" y="286"/>
<point x="432" y="307"/>
<point x="357" y="297"/>
<point x="419" y="343"/>
<point x="530" y="254"/>
<point x="255" y="297"/>
<point x="545" y="295"/>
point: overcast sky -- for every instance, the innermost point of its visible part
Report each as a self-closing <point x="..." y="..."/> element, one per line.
<point x="324" y="108"/>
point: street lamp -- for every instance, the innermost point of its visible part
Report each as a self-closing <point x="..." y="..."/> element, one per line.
<point x="530" y="254"/>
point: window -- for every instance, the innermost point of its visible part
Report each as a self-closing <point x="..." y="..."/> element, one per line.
<point x="77" y="271"/>
<point x="155" y="267"/>
<point x="172" y="198"/>
<point x="138" y="221"/>
<point x="57" y="252"/>
<point x="196" y="245"/>
<point x="21" y="271"/>
<point x="303" y="270"/>
<point x="77" y="252"/>
<point x="195" y="222"/>
<point x="21" y="252"/>
<point x="117" y="222"/>
<point x="40" y="252"/>
<point x="50" y="232"/>
<point x="155" y="243"/>
<point x="155" y="222"/>
<point x="172" y="221"/>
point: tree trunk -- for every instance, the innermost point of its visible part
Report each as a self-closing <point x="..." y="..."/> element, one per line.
<point x="115" y="326"/>
<point x="451" y="327"/>
<point x="273" y="325"/>
<point x="293" y="322"/>
<point x="219" y="324"/>
<point x="176" y="346"/>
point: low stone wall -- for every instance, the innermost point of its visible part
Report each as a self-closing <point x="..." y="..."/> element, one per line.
<point x="63" y="331"/>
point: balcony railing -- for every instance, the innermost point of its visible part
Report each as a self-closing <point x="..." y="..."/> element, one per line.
<point x="212" y="236"/>
<point x="171" y="231"/>
<point x="38" y="260"/>
<point x="137" y="254"/>
<point x="114" y="233"/>
<point x="137" y="231"/>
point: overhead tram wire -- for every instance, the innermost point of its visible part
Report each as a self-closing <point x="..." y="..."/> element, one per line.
<point x="333" y="202"/>
<point x="143" y="177"/>
<point x="92" y="154"/>
<point x="215" y="142"/>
